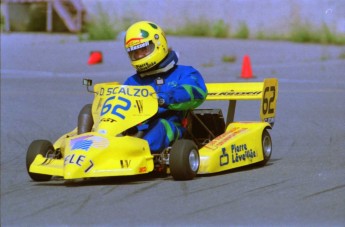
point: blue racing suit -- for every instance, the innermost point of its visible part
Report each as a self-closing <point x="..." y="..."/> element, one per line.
<point x="180" y="88"/>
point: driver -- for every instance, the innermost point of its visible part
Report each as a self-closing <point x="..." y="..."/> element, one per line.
<point x="179" y="88"/>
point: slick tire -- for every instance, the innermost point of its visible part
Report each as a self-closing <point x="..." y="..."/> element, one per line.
<point x="184" y="160"/>
<point x="266" y="142"/>
<point x="38" y="147"/>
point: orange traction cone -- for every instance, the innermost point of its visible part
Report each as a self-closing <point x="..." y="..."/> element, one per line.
<point x="247" y="72"/>
<point x="95" y="58"/>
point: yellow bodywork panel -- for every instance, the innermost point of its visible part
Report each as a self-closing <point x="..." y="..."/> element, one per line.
<point x="240" y="145"/>
<point x="269" y="100"/>
<point x="53" y="167"/>
<point x="234" y="91"/>
<point x="94" y="155"/>
<point x="118" y="107"/>
<point x="266" y="92"/>
<point x="104" y="151"/>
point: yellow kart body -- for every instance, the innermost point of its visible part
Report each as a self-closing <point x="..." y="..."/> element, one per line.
<point x="105" y="152"/>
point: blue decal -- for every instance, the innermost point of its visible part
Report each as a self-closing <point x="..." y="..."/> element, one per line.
<point x="108" y="106"/>
<point x="82" y="145"/>
<point x="121" y="107"/>
<point x="137" y="92"/>
<point x="73" y="159"/>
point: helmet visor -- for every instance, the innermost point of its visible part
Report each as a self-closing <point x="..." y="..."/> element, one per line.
<point x="140" y="51"/>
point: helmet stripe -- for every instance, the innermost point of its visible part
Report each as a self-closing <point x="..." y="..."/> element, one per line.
<point x="132" y="39"/>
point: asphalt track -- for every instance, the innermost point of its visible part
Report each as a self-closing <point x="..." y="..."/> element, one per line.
<point x="303" y="184"/>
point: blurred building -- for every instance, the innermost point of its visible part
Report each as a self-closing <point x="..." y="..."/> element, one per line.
<point x="274" y="16"/>
<point x="266" y="16"/>
<point x="43" y="15"/>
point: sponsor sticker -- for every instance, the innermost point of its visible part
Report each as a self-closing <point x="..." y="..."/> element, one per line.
<point x="85" y="142"/>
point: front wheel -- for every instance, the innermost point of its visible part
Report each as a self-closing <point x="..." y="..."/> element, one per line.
<point x="184" y="160"/>
<point x="42" y="147"/>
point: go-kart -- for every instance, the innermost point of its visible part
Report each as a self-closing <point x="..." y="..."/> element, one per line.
<point x="100" y="147"/>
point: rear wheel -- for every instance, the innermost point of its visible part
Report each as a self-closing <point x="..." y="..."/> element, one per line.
<point x="266" y="147"/>
<point x="184" y="160"/>
<point x="42" y="147"/>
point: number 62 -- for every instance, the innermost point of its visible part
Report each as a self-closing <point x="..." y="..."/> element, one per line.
<point x="266" y="103"/>
<point x="115" y="110"/>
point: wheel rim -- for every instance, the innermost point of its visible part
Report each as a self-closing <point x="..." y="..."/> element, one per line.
<point x="194" y="160"/>
<point x="267" y="146"/>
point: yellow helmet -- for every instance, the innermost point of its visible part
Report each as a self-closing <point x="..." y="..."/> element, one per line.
<point x="146" y="45"/>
